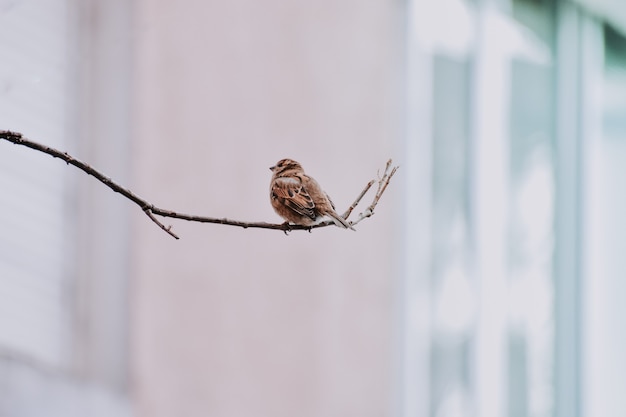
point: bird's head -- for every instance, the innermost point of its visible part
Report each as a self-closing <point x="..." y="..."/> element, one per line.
<point x="285" y="165"/>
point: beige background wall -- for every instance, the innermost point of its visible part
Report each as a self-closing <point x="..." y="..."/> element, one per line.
<point x="233" y="322"/>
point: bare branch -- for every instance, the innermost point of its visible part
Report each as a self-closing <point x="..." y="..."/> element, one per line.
<point x="151" y="210"/>
<point x="358" y="200"/>
<point x="167" y="229"/>
<point x="383" y="182"/>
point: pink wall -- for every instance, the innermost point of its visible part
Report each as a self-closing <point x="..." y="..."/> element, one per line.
<point x="233" y="322"/>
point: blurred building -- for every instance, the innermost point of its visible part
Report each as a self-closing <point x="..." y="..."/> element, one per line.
<point x="488" y="283"/>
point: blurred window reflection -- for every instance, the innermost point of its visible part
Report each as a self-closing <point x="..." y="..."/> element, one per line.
<point x="453" y="291"/>
<point x="528" y="230"/>
<point x="531" y="222"/>
<point x="605" y="286"/>
<point x="493" y="114"/>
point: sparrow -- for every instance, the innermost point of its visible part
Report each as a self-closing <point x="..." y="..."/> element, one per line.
<point x="298" y="198"/>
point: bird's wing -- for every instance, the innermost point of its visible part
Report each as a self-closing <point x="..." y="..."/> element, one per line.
<point x="292" y="193"/>
<point x="330" y="201"/>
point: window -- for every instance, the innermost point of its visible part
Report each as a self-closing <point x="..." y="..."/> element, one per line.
<point x="514" y="301"/>
<point x="604" y="285"/>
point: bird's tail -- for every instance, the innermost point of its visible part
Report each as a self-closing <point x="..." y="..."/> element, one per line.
<point x="340" y="221"/>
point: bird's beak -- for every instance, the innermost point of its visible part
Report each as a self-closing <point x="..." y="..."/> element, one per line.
<point x="273" y="168"/>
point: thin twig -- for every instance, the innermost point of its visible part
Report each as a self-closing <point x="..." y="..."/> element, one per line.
<point x="167" y="229"/>
<point x="383" y="182"/>
<point x="358" y="200"/>
<point x="151" y="210"/>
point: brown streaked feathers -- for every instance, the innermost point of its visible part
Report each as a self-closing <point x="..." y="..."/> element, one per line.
<point x="298" y="198"/>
